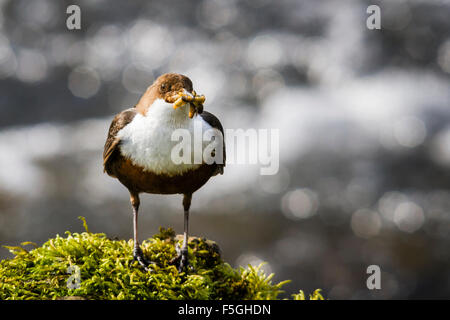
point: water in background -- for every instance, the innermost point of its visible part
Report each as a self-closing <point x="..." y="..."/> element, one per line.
<point x="363" y="116"/>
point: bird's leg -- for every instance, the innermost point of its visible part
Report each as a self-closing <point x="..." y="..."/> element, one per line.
<point x="183" y="252"/>
<point x="138" y="255"/>
<point x="184" y="249"/>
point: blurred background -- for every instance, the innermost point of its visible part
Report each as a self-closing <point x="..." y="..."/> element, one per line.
<point x="364" y="120"/>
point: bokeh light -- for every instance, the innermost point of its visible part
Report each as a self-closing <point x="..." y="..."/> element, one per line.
<point x="32" y="66"/>
<point x="363" y="117"/>
<point x="299" y="204"/>
<point x="84" y="82"/>
<point x="366" y="223"/>
<point x="409" y="217"/>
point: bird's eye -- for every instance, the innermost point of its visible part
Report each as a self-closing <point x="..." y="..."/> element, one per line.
<point x="163" y="87"/>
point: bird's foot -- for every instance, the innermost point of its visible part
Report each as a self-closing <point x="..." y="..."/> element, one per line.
<point x="181" y="259"/>
<point x="138" y="255"/>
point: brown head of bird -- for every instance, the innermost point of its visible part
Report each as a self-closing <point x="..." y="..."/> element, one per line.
<point x="173" y="88"/>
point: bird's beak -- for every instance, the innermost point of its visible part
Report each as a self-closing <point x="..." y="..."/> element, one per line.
<point x="195" y="101"/>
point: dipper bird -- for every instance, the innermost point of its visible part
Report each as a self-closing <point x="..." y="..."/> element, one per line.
<point x="139" y="144"/>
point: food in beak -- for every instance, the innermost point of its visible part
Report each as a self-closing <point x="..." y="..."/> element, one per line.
<point x="195" y="102"/>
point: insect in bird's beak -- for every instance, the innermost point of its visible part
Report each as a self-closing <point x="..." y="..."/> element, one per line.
<point x="195" y="102"/>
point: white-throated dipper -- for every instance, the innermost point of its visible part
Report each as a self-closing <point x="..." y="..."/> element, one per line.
<point x="138" y="150"/>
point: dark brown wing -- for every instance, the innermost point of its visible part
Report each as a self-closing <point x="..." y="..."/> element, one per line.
<point x="112" y="142"/>
<point x="215" y="123"/>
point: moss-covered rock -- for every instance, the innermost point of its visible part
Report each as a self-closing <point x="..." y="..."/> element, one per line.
<point x="105" y="269"/>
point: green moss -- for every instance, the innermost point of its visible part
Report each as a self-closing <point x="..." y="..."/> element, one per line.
<point x="107" y="271"/>
<point x="316" y="295"/>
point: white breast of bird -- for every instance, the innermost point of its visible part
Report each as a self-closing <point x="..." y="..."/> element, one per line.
<point x="147" y="140"/>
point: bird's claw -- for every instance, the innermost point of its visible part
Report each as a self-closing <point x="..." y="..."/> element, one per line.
<point x="181" y="259"/>
<point x="138" y="255"/>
